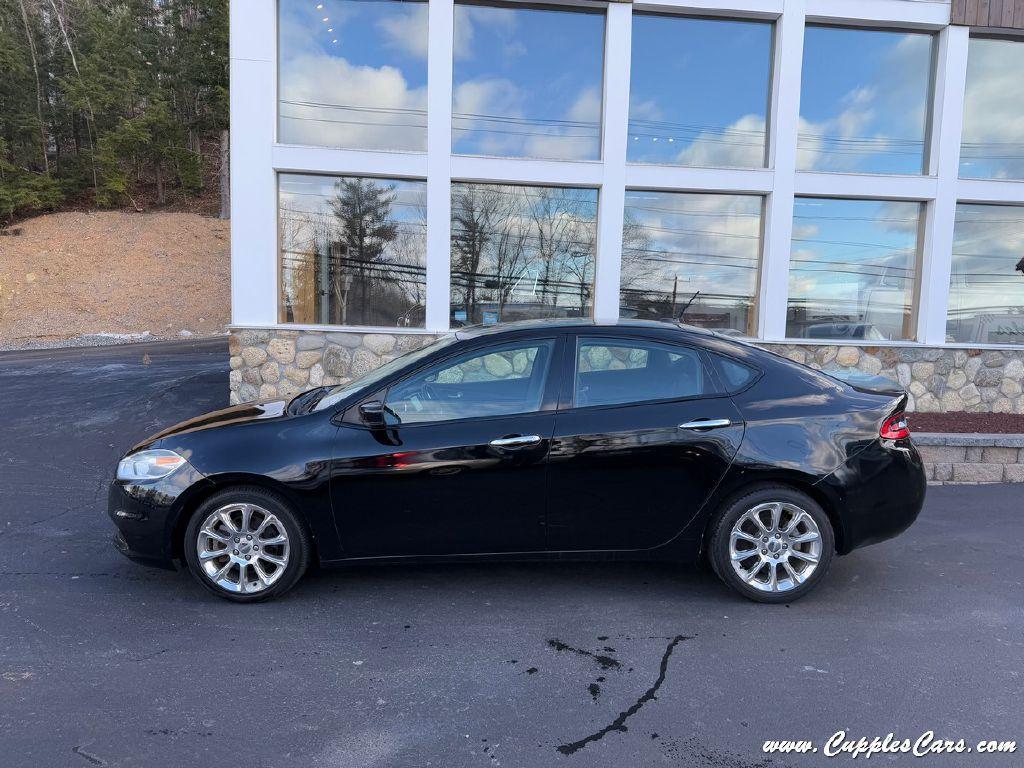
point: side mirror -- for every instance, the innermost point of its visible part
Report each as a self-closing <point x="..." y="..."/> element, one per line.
<point x="372" y="414"/>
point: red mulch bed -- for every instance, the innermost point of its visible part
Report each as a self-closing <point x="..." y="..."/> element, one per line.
<point x="959" y="421"/>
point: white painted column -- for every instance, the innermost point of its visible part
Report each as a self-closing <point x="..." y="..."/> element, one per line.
<point x="441" y="33"/>
<point x="254" y="295"/>
<point x="614" y="129"/>
<point x="783" y="126"/>
<point x="944" y="164"/>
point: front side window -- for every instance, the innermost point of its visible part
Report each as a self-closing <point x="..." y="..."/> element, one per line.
<point x="699" y="91"/>
<point x="993" y="133"/>
<point x="353" y="74"/>
<point x="498" y="381"/>
<point x="986" y="284"/>
<point x="864" y="100"/>
<point x="693" y="256"/>
<point x="352" y="250"/>
<point x="853" y="269"/>
<point x="610" y="372"/>
<point x="521" y="253"/>
<point x="527" y="82"/>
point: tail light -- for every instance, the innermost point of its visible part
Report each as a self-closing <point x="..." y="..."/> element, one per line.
<point x="895" y="427"/>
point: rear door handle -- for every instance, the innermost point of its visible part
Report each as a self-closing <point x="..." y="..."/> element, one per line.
<point x="519" y="441"/>
<point x="705" y="424"/>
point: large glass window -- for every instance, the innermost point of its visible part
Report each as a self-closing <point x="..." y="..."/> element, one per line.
<point x="993" y="131"/>
<point x="853" y="269"/>
<point x="699" y="91"/>
<point x="691" y="254"/>
<point x="521" y="252"/>
<point x="353" y="250"/>
<point x="864" y="101"/>
<point x="527" y="82"/>
<point x="353" y="74"/>
<point x="986" y="286"/>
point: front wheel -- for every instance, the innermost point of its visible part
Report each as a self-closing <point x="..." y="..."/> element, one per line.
<point x="772" y="545"/>
<point x="246" y="545"/>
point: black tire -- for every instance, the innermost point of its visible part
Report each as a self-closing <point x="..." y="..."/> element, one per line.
<point x="719" y="542"/>
<point x="300" y="545"/>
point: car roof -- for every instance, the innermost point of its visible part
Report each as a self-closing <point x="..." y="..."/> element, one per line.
<point x="478" y="331"/>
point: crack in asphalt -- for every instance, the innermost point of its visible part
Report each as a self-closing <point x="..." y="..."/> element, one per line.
<point x="619" y="723"/>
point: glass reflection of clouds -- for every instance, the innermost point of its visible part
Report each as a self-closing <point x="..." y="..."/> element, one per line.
<point x="700" y="252"/>
<point x="527" y="82"/>
<point x="699" y="91"/>
<point x="986" y="289"/>
<point x="353" y="74"/>
<point x="855" y="116"/>
<point x="853" y="269"/>
<point x="993" y="134"/>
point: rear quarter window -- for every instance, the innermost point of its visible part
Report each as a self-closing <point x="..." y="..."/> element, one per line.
<point x="735" y="375"/>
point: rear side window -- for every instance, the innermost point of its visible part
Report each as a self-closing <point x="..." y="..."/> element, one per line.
<point x="616" y="371"/>
<point x="734" y="375"/>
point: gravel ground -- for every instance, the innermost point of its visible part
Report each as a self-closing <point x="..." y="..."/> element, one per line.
<point x="70" y="276"/>
<point x="106" y="663"/>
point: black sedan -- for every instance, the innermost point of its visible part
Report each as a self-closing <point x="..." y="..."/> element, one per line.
<point x="564" y="439"/>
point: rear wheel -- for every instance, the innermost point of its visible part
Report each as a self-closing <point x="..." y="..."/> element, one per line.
<point x="773" y="544"/>
<point x="246" y="545"/>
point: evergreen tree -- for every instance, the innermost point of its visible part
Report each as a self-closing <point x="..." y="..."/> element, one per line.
<point x="109" y="102"/>
<point x="363" y="210"/>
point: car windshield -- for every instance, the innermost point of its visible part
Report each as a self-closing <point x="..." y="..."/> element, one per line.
<point x="370" y="378"/>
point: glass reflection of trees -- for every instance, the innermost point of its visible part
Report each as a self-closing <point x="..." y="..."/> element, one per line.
<point x="354" y="255"/>
<point x="521" y="252"/>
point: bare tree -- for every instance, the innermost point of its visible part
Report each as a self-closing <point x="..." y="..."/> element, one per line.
<point x="475" y="218"/>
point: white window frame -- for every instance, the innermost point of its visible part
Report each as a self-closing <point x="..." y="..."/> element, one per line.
<point x="259" y="157"/>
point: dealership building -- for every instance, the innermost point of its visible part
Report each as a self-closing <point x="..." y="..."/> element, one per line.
<point x="841" y="181"/>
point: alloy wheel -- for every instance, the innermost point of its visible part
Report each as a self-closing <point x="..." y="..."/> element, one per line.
<point x="242" y="548"/>
<point x="775" y="546"/>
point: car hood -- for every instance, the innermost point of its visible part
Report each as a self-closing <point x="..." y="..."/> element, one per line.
<point x="238" y="414"/>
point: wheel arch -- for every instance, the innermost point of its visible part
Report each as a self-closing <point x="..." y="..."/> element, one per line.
<point x="198" y="494"/>
<point x="798" y="482"/>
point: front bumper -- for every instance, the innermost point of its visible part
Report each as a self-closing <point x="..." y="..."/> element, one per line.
<point x="147" y="515"/>
<point x="880" y="491"/>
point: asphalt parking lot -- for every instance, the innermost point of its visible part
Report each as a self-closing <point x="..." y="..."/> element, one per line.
<point x="106" y="663"/>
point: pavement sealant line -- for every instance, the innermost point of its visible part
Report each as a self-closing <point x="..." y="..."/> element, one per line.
<point x="619" y="724"/>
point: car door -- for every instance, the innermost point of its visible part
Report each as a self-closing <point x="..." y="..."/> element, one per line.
<point x="642" y="437"/>
<point x="460" y="465"/>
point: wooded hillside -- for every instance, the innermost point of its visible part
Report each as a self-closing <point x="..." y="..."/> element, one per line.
<point x="111" y="103"/>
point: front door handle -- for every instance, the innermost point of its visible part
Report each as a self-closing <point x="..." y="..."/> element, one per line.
<point x="519" y="441"/>
<point x="705" y="424"/>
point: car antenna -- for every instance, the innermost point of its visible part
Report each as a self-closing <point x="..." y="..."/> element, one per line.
<point x="682" y="312"/>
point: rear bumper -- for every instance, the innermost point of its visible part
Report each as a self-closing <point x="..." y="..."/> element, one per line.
<point x="880" y="492"/>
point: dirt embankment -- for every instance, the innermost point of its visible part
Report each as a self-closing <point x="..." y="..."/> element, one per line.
<point x="68" y="275"/>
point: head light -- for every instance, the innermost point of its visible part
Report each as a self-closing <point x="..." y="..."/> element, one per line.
<point x="148" y="465"/>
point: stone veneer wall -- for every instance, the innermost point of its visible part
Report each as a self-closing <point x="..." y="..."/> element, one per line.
<point x="272" y="364"/>
<point x="268" y="364"/>
<point x="938" y="380"/>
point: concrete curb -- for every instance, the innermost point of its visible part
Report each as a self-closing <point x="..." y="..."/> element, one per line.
<point x="971" y="458"/>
